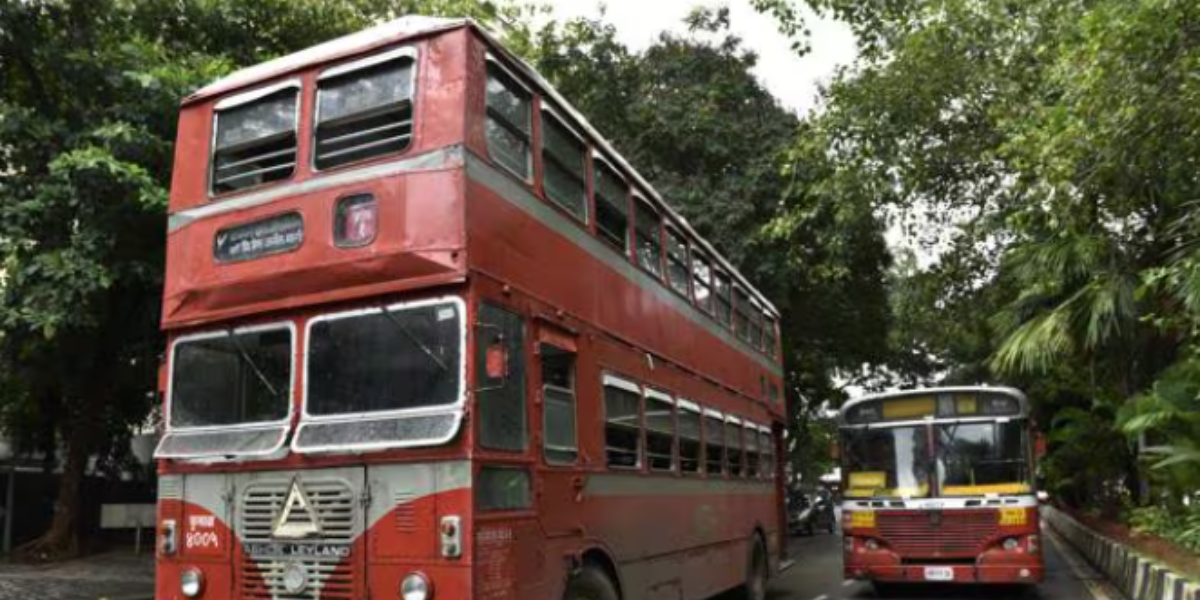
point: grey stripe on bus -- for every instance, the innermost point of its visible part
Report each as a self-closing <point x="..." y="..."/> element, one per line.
<point x="448" y="157"/>
<point x="501" y="183"/>
<point x="635" y="484"/>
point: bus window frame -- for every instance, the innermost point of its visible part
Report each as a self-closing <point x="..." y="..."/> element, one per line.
<point x="660" y="396"/>
<point x="284" y="423"/>
<point x="491" y="61"/>
<point x="708" y="415"/>
<point x="548" y="109"/>
<point x="682" y="405"/>
<point x="455" y="409"/>
<point x="348" y="68"/>
<point x="242" y="99"/>
<point x="609" y="379"/>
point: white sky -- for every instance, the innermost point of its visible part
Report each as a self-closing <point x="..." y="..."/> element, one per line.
<point x="791" y="78"/>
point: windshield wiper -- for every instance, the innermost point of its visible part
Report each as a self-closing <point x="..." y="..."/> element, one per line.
<point x="412" y="338"/>
<point x="245" y="356"/>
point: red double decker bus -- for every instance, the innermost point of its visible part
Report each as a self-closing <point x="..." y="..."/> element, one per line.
<point x="938" y="486"/>
<point x="430" y="337"/>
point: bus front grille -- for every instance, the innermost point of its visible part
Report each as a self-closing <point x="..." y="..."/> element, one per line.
<point x="263" y="580"/>
<point x="942" y="534"/>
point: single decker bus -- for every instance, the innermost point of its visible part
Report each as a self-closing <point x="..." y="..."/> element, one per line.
<point x="938" y="486"/>
<point x="430" y="337"/>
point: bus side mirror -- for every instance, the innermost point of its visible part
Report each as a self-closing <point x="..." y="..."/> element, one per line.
<point x="497" y="359"/>
<point x="1040" y="445"/>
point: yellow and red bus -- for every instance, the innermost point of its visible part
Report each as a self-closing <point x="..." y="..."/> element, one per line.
<point x="430" y="337"/>
<point x="938" y="486"/>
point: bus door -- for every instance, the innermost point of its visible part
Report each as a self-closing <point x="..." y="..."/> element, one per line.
<point x="561" y="481"/>
<point x="510" y="556"/>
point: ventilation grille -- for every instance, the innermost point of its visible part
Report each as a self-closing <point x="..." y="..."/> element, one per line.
<point x="254" y="162"/>
<point x="364" y="135"/>
<point x="405" y="513"/>
<point x="170" y="487"/>
<point x="332" y="500"/>
<point x="327" y="580"/>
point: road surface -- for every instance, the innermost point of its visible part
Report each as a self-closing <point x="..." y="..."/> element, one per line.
<point x="817" y="575"/>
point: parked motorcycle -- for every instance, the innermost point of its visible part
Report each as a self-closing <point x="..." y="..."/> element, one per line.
<point x="808" y="514"/>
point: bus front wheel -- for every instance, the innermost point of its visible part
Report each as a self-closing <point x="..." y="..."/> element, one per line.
<point x="591" y="583"/>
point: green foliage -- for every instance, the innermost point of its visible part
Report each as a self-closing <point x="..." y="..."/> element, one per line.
<point x="1041" y="148"/>
<point x="1181" y="527"/>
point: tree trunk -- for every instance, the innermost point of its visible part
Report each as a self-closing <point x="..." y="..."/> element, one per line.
<point x="62" y="538"/>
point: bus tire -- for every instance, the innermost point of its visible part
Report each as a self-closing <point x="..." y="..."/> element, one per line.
<point x="755" y="587"/>
<point x="590" y="583"/>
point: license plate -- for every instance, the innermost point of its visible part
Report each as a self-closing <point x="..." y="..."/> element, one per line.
<point x="939" y="574"/>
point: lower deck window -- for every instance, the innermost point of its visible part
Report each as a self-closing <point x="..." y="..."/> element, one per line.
<point x="660" y="434"/>
<point x="751" y="445"/>
<point x="622" y="427"/>
<point x="733" y="441"/>
<point x="503" y="488"/>
<point x="689" y="441"/>
<point x="714" y="445"/>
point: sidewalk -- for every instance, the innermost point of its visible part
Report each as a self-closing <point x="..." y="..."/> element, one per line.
<point x="114" y="575"/>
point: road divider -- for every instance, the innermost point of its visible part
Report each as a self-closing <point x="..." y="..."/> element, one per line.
<point x="1139" y="577"/>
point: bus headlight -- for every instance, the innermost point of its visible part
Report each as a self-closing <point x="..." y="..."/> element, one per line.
<point x="415" y="587"/>
<point x="1011" y="544"/>
<point x="191" y="582"/>
<point x="872" y="544"/>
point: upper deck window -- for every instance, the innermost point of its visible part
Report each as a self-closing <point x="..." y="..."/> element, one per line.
<point x="724" y="302"/>
<point x="702" y="282"/>
<point x="769" y="335"/>
<point x="677" y="261"/>
<point x="563" y="157"/>
<point x="612" y="207"/>
<point x="741" y="314"/>
<point x="255" y="138"/>
<point x="364" y="109"/>
<point x="509" y="117"/>
<point x="648" y="229"/>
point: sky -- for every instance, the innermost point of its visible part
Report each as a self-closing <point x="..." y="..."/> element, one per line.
<point x="791" y="78"/>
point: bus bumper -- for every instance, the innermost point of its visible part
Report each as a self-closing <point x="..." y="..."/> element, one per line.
<point x="1032" y="573"/>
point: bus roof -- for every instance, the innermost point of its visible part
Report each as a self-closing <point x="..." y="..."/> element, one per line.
<point x="417" y="26"/>
<point x="1011" y="392"/>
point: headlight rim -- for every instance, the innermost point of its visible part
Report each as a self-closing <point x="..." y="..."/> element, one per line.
<point x="415" y="577"/>
<point x="198" y="582"/>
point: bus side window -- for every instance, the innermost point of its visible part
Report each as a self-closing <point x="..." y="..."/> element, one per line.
<point x="690" y="453"/>
<point x="500" y="379"/>
<point x="622" y="423"/>
<point x="750" y="434"/>
<point x="559" y="433"/>
<point x="660" y="432"/>
<point x="733" y="447"/>
<point x="767" y="445"/>
<point x="714" y="442"/>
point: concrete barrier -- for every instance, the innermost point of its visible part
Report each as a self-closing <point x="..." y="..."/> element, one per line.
<point x="1138" y="577"/>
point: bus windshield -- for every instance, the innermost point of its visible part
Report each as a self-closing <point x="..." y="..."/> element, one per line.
<point x="885" y="462"/>
<point x="983" y="458"/>
<point x="231" y="378"/>
<point x="385" y="360"/>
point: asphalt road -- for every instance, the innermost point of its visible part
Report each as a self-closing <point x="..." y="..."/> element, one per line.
<point x="817" y="575"/>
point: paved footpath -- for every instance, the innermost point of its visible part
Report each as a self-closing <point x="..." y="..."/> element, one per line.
<point x="114" y="575"/>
